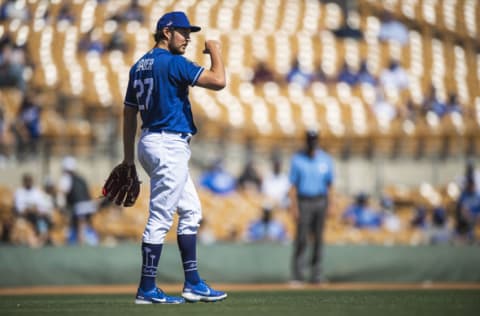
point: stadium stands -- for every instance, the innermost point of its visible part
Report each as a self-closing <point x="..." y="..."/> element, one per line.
<point x="442" y="50"/>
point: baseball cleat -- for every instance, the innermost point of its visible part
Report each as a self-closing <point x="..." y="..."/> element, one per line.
<point x="201" y="292"/>
<point x="156" y="296"/>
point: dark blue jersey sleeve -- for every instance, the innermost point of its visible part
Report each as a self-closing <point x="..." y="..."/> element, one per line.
<point x="184" y="71"/>
<point x="131" y="94"/>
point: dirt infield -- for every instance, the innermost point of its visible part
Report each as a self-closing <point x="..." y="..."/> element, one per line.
<point x="128" y="289"/>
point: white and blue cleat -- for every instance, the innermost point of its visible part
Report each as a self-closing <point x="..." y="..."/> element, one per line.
<point x="201" y="292"/>
<point x="156" y="296"/>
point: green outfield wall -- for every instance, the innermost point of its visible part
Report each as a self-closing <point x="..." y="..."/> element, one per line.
<point x="237" y="263"/>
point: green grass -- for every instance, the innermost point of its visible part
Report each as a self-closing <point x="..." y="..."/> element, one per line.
<point x="298" y="303"/>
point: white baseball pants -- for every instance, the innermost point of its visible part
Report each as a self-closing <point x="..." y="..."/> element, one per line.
<point x="165" y="156"/>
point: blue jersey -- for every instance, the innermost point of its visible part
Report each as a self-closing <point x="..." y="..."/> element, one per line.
<point x="158" y="87"/>
<point x="311" y="176"/>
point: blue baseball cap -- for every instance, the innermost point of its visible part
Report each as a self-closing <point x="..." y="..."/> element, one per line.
<point x="176" y="19"/>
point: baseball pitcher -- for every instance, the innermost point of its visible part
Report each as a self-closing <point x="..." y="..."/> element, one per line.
<point x="158" y="90"/>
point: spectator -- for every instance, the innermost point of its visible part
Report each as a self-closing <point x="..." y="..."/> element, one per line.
<point x="298" y="75"/>
<point x="77" y="201"/>
<point x="439" y="232"/>
<point x="12" y="9"/>
<point x="392" y="29"/>
<point x="12" y="65"/>
<point x="348" y="30"/>
<point x="364" y="75"/>
<point x="311" y="177"/>
<point x="26" y="127"/>
<point x="133" y="13"/>
<point x="394" y="77"/>
<point x="275" y="187"/>
<point x="360" y="215"/>
<point x="206" y="235"/>
<point x="347" y="75"/>
<point x="65" y="14"/>
<point x="467" y="212"/>
<point x="249" y="177"/>
<point x="217" y="179"/>
<point x="262" y="73"/>
<point x="31" y="204"/>
<point x="433" y="104"/>
<point x="453" y="106"/>
<point x="266" y="229"/>
<point x="384" y="110"/>
<point x="90" y="42"/>
<point x="419" y="219"/>
<point x="117" y="41"/>
<point x="391" y="222"/>
<point x="5" y="139"/>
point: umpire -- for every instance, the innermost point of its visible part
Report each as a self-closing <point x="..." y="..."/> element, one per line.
<point x="311" y="177"/>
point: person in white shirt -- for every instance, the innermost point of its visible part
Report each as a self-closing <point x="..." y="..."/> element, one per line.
<point x="275" y="187"/>
<point x="31" y="204"/>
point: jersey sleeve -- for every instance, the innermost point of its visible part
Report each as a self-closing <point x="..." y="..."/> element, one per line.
<point x="130" y="95"/>
<point x="183" y="70"/>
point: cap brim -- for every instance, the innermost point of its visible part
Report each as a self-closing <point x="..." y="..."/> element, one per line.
<point x="194" y="28"/>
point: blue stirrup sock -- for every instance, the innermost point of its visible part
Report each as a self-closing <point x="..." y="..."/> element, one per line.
<point x="188" y="250"/>
<point x="150" y="257"/>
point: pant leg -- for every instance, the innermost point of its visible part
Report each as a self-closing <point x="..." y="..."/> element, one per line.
<point x="189" y="210"/>
<point x="165" y="159"/>
<point x="318" y="223"/>
<point x="300" y="243"/>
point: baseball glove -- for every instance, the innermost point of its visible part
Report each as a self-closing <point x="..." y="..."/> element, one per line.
<point x="122" y="185"/>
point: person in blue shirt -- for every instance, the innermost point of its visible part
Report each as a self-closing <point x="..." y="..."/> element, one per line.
<point x="266" y="228"/>
<point x="158" y="89"/>
<point x="360" y="215"/>
<point x="311" y="177"/>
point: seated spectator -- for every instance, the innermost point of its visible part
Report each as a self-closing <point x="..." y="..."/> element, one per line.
<point x="5" y="139"/>
<point x="433" y="104"/>
<point x="31" y="204"/>
<point x="275" y="187"/>
<point x="249" y="178"/>
<point x="26" y="127"/>
<point x="12" y="65"/>
<point x="347" y="30"/>
<point x="364" y="75"/>
<point x="298" y="75"/>
<point x="133" y="13"/>
<point x="90" y="42"/>
<point x="217" y="179"/>
<point x="12" y="9"/>
<point x="262" y="74"/>
<point x="76" y="199"/>
<point x="347" y="75"/>
<point x="266" y="229"/>
<point x="65" y="14"/>
<point x="391" y="221"/>
<point x="419" y="219"/>
<point x="360" y="215"/>
<point x="439" y="232"/>
<point x="117" y="41"/>
<point x="383" y="110"/>
<point x="394" y="77"/>
<point x="392" y="29"/>
<point x="452" y="105"/>
<point x="467" y="212"/>
<point x="206" y="235"/>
